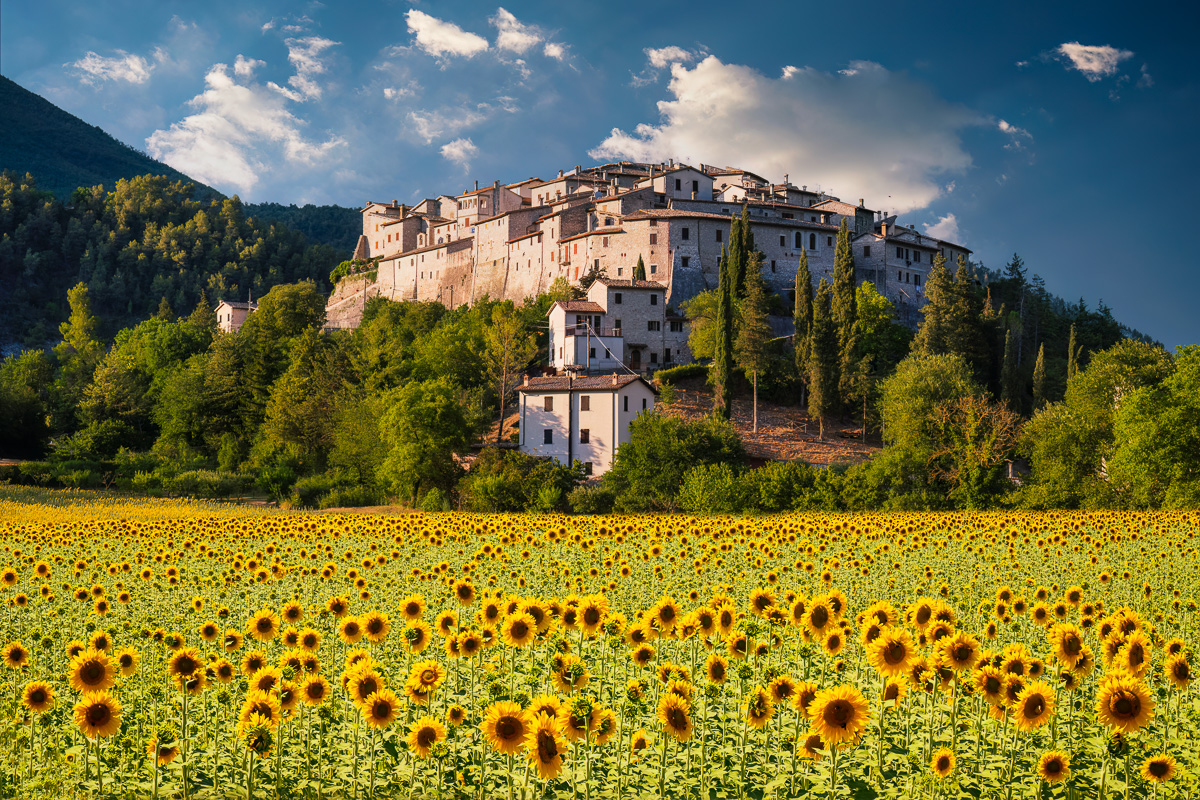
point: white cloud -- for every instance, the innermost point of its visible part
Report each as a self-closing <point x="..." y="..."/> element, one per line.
<point x="400" y="92"/>
<point x="123" y="66"/>
<point x="430" y="125"/>
<point x="244" y="67"/>
<point x="945" y="228"/>
<point x="305" y="55"/>
<point x="439" y="38"/>
<point x="460" y="151"/>
<point x="512" y="34"/>
<point x="809" y="124"/>
<point x="671" y="54"/>
<point x="1094" y="61"/>
<point x="1017" y="136"/>
<point x="555" y="50"/>
<point x="235" y="134"/>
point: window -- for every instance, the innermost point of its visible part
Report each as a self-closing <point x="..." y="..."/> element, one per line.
<point x="585" y="403"/>
<point x="653" y="268"/>
<point x="678" y="185"/>
<point x="584" y="435"/>
<point x="608" y="222"/>
<point x="617" y="323"/>
<point x="676" y="326"/>
<point x="683" y="262"/>
<point x="592" y="353"/>
<point x="653" y="238"/>
<point x="917" y="256"/>
<point x="782" y="240"/>
<point x="653" y="325"/>
<point x="812" y="241"/>
<point x="685" y="234"/>
<point x="916" y="280"/>
<point x="653" y="223"/>
<point x="617" y="300"/>
<point x="604" y="241"/>
<point x="625" y="406"/>
<point x="643" y="404"/>
<point x="828" y="241"/>
<point x="620" y="271"/>
<point x="907" y="277"/>
<point x="547" y="436"/>
<point x="588" y="466"/>
<point x="799" y="239"/>
<point x="899" y="275"/>
<point x="867" y="252"/>
<point x="696" y="187"/>
<point x="899" y="252"/>
<point x="549" y="404"/>
<point x="653" y="357"/>
<point x="667" y="355"/>
<point x="653" y="299"/>
<point x="772" y="265"/>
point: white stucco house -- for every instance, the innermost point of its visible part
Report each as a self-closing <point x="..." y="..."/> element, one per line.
<point x="581" y="418"/>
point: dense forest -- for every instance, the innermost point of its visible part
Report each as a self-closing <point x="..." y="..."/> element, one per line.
<point x="147" y="242"/>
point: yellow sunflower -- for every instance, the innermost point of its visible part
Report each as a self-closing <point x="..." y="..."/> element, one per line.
<point x="91" y="671"/>
<point x="942" y="763"/>
<point x="1159" y="768"/>
<point x="381" y="708"/>
<point x="892" y="652"/>
<point x="1054" y="766"/>
<point x="1123" y="703"/>
<point x="98" y="714"/>
<point x="38" y="697"/>
<point x="839" y="715"/>
<point x="546" y="746"/>
<point x="1034" y="707"/>
<point x="424" y="734"/>
<point x="505" y="726"/>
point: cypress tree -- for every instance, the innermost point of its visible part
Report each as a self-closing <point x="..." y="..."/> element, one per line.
<point x="963" y="322"/>
<point x="1008" y="372"/>
<point x="735" y="254"/>
<point x="754" y="337"/>
<point x="723" y="355"/>
<point x="639" y="272"/>
<point x="204" y="316"/>
<point x="1072" y="355"/>
<point x="823" y="357"/>
<point x="1039" y="379"/>
<point x="845" y="310"/>
<point x="802" y="316"/>
<point x="931" y="337"/>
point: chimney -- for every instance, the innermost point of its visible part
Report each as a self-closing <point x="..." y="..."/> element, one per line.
<point x="476" y="185"/>
<point x="526" y="379"/>
<point x="804" y="188"/>
<point x="883" y="230"/>
<point x="560" y="173"/>
<point x="578" y="168"/>
<point x="615" y="379"/>
<point x="496" y="185"/>
<point x="860" y="202"/>
<point x="395" y="203"/>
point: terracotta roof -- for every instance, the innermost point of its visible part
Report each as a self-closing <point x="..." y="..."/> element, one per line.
<point x="625" y="283"/>
<point x="591" y="383"/>
<point x="606" y="230"/>
<point x="660" y="213"/>
<point x="581" y="305"/>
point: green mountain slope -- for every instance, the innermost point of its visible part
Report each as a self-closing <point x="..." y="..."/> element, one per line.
<point x="63" y="152"/>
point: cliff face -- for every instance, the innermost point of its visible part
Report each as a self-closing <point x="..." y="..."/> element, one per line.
<point x="345" y="306"/>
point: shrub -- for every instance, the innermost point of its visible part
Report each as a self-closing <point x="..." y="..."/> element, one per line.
<point x="549" y="498"/>
<point x="352" y="497"/>
<point x="681" y="372"/>
<point x="434" y="500"/>
<point x="307" y="491"/>
<point x="591" y="500"/>
<point x="37" y="473"/>
<point x="776" y="487"/>
<point x="711" y="489"/>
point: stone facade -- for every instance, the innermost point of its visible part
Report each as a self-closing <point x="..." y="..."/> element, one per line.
<point x="231" y="315"/>
<point x="510" y="242"/>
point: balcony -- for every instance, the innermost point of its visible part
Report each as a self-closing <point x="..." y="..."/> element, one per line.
<point x="583" y="330"/>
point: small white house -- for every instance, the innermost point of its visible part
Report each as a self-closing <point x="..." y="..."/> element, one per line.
<point x="581" y="418"/>
<point x="232" y="314"/>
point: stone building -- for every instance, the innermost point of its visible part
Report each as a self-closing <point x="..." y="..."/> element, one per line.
<point x="232" y="314"/>
<point x="581" y="418"/>
<point x="513" y="241"/>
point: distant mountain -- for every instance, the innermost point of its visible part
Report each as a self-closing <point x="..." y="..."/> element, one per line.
<point x="63" y="152"/>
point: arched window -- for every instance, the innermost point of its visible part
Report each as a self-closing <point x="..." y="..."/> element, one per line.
<point x="812" y="241"/>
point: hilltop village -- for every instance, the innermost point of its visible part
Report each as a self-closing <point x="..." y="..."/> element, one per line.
<point x="512" y="241"/>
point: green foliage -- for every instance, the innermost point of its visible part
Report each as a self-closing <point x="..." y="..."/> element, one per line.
<point x="145" y="240"/>
<point x="648" y="469"/>
<point x="639" y="271"/>
<point x="591" y="500"/>
<point x="711" y="489"/>
<point x="425" y="427"/>
<point x="682" y="372"/>
<point x="722" y="368"/>
<point x="822" y="359"/>
<point x="25" y="381"/>
<point x="336" y="226"/>
<point x="1069" y="443"/>
<point x="434" y="500"/>
<point x="920" y="385"/>
<point x="1156" y="435"/>
<point x="509" y="480"/>
<point x="843" y="309"/>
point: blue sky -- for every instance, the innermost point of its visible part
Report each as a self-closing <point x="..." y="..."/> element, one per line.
<point x="1064" y="132"/>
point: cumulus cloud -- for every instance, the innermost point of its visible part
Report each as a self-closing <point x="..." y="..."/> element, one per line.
<point x="808" y="123"/>
<point x="244" y="67"/>
<point x="237" y="131"/>
<point x="945" y="228"/>
<point x="555" y="50"/>
<point x="512" y="34"/>
<point x="460" y="151"/>
<point x="440" y="38"/>
<point x="658" y="58"/>
<point x="305" y="56"/>
<point x="95" y="68"/>
<point x="1094" y="61"/>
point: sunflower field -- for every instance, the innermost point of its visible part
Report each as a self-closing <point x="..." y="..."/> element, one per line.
<point x="172" y="649"/>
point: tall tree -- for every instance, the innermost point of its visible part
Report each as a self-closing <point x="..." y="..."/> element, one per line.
<point x="844" y="308"/>
<point x="1008" y="374"/>
<point x="1039" y="379"/>
<point x="722" y="371"/>
<point x="639" y="272"/>
<point x="939" y="292"/>
<point x="1072" y="355"/>
<point x="964" y="320"/>
<point x="78" y="354"/>
<point x="509" y="349"/>
<point x="1015" y="272"/>
<point x="754" y="338"/>
<point x="822" y="359"/>
<point x="735" y="256"/>
<point x="802" y="316"/>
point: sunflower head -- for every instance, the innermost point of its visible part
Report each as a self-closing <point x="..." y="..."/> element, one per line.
<point x="505" y="726"/>
<point x="1054" y="766"/>
<point x="98" y="714"/>
<point x="839" y="714"/>
<point x="1159" y="768"/>
<point x="942" y="763"/>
